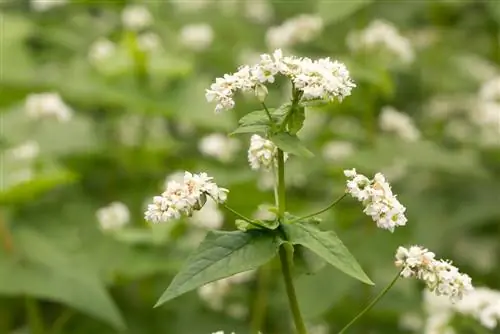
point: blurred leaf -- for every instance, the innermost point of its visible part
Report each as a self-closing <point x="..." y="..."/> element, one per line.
<point x="328" y="246"/>
<point x="335" y="11"/>
<point x="291" y="144"/>
<point x="220" y="255"/>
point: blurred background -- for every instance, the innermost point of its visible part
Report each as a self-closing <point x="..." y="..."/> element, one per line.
<point x="103" y="101"/>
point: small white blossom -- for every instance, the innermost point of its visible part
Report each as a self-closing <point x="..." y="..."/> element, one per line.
<point x="219" y="146"/>
<point x="258" y="11"/>
<point x="197" y="37"/>
<point x="136" y="17"/>
<point x="148" y="42"/>
<point x="28" y="150"/>
<point x="319" y="79"/>
<point x="377" y="197"/>
<point x="335" y="151"/>
<point x="381" y="35"/>
<point x="440" y="276"/>
<point x="44" y="5"/>
<point x="209" y="216"/>
<point x="399" y="123"/>
<point x="113" y="217"/>
<point x="300" y="29"/>
<point x="262" y="153"/>
<point x="101" y="50"/>
<point x="47" y="105"/>
<point x="184" y="198"/>
<point x="490" y="90"/>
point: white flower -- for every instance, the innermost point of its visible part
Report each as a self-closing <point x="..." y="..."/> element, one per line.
<point x="197" y="37"/>
<point x="43" y="5"/>
<point x="300" y="29"/>
<point x="382" y="35"/>
<point x="377" y="197"/>
<point x="47" y="105"/>
<point x="319" y="79"/>
<point x="184" y="198"/>
<point x="209" y="216"/>
<point x="219" y="146"/>
<point x="136" y="17"/>
<point x="262" y="153"/>
<point x="259" y="11"/>
<point x="28" y="150"/>
<point x="399" y="123"/>
<point x="101" y="50"/>
<point x="440" y="276"/>
<point x="177" y="176"/>
<point x="335" y="151"/>
<point x="490" y="90"/>
<point x="113" y="217"/>
<point x="148" y="42"/>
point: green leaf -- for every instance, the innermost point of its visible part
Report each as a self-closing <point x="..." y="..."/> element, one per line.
<point x="258" y="117"/>
<point x="335" y="11"/>
<point x="291" y="144"/>
<point x="296" y="120"/>
<point x="251" y="129"/>
<point x="269" y="224"/>
<point x="328" y="246"/>
<point x="306" y="262"/>
<point x="244" y="226"/>
<point x="220" y="255"/>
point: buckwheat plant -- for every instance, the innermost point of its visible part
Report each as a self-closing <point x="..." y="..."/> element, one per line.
<point x="257" y="241"/>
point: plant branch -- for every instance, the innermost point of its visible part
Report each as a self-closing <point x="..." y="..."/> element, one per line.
<point x="320" y="211"/>
<point x="281" y="185"/>
<point x="268" y="115"/>
<point x="372" y="303"/>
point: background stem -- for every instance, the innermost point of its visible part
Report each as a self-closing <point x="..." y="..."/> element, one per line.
<point x="281" y="185"/>
<point x="259" y="306"/>
<point x="34" y="318"/>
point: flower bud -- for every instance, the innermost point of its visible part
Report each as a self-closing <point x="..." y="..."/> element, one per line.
<point x="261" y="92"/>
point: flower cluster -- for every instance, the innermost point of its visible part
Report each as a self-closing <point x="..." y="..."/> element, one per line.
<point x="184" y="198"/>
<point x="315" y="79"/>
<point x="300" y="29"/>
<point x="440" y="276"/>
<point x="196" y="37"/>
<point x="335" y="151"/>
<point x="382" y="35"/>
<point x="219" y="146"/>
<point x="487" y="113"/>
<point x="399" y="123"/>
<point x="377" y="197"/>
<point x="113" y="217"/>
<point x="101" y="50"/>
<point x="47" y="105"/>
<point x="136" y="17"/>
<point x="208" y="217"/>
<point x="262" y="153"/>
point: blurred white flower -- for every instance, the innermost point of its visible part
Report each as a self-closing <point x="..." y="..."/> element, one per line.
<point x="184" y="198"/>
<point x="44" y="5"/>
<point x="177" y="176"/>
<point x="101" y="50"/>
<point x="148" y="42"/>
<point x="411" y="321"/>
<point x="440" y="276"/>
<point x="377" y="197"/>
<point x="300" y="29"/>
<point x="219" y="146"/>
<point x="319" y="79"/>
<point x="113" y="217"/>
<point x="196" y="37"/>
<point x="258" y="11"/>
<point x="399" y="123"/>
<point x="335" y="151"/>
<point x="490" y="90"/>
<point x="28" y="150"/>
<point x="318" y="329"/>
<point x="382" y="35"/>
<point x="47" y="105"/>
<point x="237" y="310"/>
<point x="263" y="213"/>
<point x="209" y="216"/>
<point x="136" y="17"/>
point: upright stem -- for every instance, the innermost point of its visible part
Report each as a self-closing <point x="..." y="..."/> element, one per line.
<point x="372" y="303"/>
<point x="286" y="252"/>
<point x="34" y="318"/>
<point x="286" y="262"/>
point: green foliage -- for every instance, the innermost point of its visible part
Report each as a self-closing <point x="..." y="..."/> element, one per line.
<point x="291" y="144"/>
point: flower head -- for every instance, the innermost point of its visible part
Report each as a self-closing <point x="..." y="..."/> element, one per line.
<point x="440" y="276"/>
<point x="101" y="50"/>
<point x="300" y="29"/>
<point x="136" y="17"/>
<point x="262" y="153"/>
<point x="113" y="217"/>
<point x="184" y="198"/>
<point x="47" y="105"/>
<point x="321" y="79"/>
<point x="377" y="197"/>
<point x="399" y="123"/>
<point x="197" y="37"/>
<point x="219" y="146"/>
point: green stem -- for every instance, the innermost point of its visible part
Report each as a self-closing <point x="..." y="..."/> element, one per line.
<point x="281" y="185"/>
<point x="238" y="214"/>
<point x="320" y="211"/>
<point x="61" y="321"/>
<point x="268" y="115"/>
<point x="34" y="318"/>
<point x="372" y="303"/>
<point x="286" y="263"/>
<point x="259" y="306"/>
